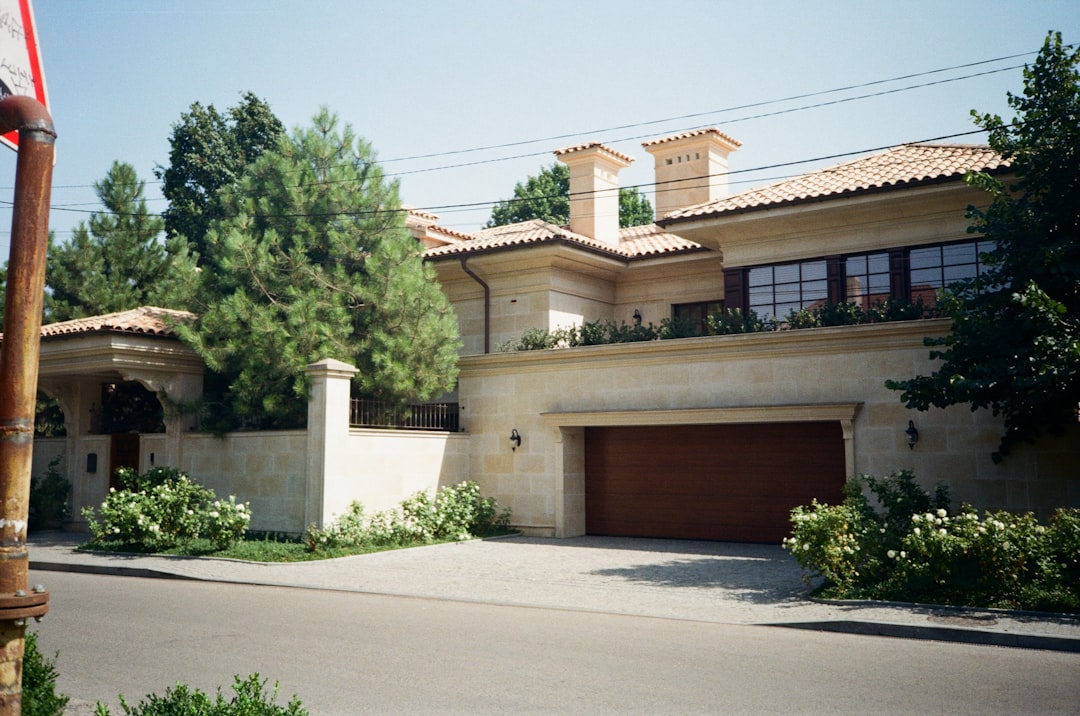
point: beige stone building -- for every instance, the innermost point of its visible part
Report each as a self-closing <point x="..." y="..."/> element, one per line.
<point x="720" y="436"/>
<point x="714" y="437"/>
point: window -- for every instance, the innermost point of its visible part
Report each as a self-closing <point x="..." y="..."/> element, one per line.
<point x="775" y="291"/>
<point x="936" y="267"/>
<point x="696" y="314"/>
<point x="866" y="279"/>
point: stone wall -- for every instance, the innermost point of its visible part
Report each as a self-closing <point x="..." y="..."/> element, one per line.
<point x="545" y="394"/>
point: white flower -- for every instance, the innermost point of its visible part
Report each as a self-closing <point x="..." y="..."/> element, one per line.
<point x="903" y="554"/>
<point x="942" y="532"/>
<point x="806" y="547"/>
<point x="916" y="530"/>
<point x="916" y="518"/>
<point x="214" y="514"/>
<point x="941" y="513"/>
<point x="891" y="553"/>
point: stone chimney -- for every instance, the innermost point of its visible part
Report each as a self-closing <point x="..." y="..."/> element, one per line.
<point x="691" y="168"/>
<point x="594" y="189"/>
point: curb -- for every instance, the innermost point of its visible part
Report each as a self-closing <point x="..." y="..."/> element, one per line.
<point x="112" y="571"/>
<point x="949" y="634"/>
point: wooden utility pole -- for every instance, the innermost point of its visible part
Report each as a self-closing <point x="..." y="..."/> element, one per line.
<point x="18" y="380"/>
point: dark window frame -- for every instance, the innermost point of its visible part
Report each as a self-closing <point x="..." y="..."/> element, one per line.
<point x="892" y="266"/>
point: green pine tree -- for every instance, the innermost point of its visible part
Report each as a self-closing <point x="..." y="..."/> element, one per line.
<point x="313" y="261"/>
<point x="115" y="262"/>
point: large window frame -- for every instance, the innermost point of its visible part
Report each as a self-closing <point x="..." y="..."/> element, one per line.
<point x="910" y="273"/>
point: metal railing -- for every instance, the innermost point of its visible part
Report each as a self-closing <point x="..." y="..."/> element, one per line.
<point x="364" y="413"/>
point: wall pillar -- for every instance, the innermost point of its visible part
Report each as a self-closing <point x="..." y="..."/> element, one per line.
<point x="329" y="383"/>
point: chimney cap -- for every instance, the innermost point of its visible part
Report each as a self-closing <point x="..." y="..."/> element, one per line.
<point x="716" y="135"/>
<point x="593" y="148"/>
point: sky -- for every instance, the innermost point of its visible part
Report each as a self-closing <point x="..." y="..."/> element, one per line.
<point x="462" y="99"/>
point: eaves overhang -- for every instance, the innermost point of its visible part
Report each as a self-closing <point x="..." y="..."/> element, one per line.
<point x="563" y="242"/>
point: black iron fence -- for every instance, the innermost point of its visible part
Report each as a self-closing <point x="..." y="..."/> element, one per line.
<point x="364" y="413"/>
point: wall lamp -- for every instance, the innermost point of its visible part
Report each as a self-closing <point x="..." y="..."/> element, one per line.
<point x="515" y="438"/>
<point x="637" y="316"/>
<point x="912" y="435"/>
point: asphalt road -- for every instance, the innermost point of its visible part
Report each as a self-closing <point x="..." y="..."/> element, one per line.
<point x="347" y="653"/>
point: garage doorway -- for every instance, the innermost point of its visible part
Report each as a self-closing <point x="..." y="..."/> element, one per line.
<point x="731" y="482"/>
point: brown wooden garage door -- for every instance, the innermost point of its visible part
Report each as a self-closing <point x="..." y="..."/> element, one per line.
<point x="719" y="482"/>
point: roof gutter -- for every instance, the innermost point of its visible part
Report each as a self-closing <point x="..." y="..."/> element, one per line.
<point x="487" y="302"/>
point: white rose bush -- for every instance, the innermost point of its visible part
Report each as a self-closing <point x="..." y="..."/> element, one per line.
<point x="163" y="509"/>
<point x="909" y="547"/>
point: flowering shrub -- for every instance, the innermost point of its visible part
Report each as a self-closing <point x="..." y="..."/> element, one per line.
<point x="457" y="512"/>
<point x="164" y="508"/>
<point x="252" y="699"/>
<point x="915" y="550"/>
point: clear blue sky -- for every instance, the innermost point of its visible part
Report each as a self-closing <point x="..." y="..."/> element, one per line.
<point x="420" y="78"/>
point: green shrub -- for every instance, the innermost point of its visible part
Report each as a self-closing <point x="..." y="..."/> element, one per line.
<point x="732" y="320"/>
<point x="909" y="547"/>
<point x="828" y="314"/>
<point x="251" y="699"/>
<point x="39" y="697"/>
<point x="49" y="498"/>
<point x="130" y="479"/>
<point x="457" y="512"/>
<point x="895" y="309"/>
<point x="164" y="508"/>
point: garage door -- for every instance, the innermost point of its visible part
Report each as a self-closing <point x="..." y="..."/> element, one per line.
<point x="718" y="482"/>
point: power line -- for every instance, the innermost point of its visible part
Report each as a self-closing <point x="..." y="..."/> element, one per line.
<point x="476" y="205"/>
<point x="696" y="115"/>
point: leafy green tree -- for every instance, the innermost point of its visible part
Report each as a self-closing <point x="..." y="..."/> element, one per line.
<point x="313" y="261"/>
<point x="115" y="262"/>
<point x="547" y="196"/>
<point x="1015" y="341"/>
<point x="208" y="152"/>
<point x="634" y="208"/>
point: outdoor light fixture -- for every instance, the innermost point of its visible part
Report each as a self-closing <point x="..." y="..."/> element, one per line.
<point x="912" y="435"/>
<point x="637" y="316"/>
<point x="515" y="437"/>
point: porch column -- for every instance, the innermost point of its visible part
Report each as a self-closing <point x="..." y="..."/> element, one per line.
<point x="329" y="384"/>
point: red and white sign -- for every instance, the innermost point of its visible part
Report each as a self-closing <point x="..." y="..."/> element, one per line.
<point x="20" y="60"/>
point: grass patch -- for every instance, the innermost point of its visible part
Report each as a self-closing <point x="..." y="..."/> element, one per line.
<point x="264" y="548"/>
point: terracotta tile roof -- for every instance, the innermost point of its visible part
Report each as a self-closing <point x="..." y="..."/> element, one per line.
<point x="635" y="242"/>
<point x="903" y="166"/>
<point x="594" y="145"/>
<point x="651" y="240"/>
<point x="450" y="234"/>
<point x="695" y="133"/>
<point x="148" y="320"/>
